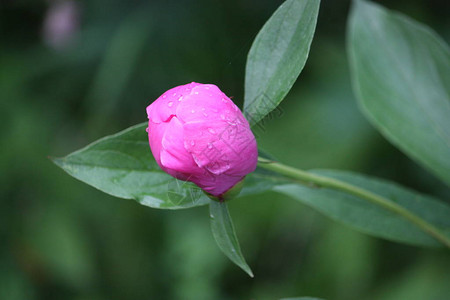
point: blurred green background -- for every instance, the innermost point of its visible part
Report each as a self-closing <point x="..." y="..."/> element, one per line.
<point x="72" y="72"/>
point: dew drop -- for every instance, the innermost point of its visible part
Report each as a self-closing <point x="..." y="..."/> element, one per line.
<point x="235" y="108"/>
<point x="224" y="100"/>
<point x="193" y="111"/>
<point x="207" y="87"/>
<point x="222" y="116"/>
<point x="218" y="168"/>
<point x="192" y="143"/>
<point x="181" y="98"/>
<point x="196" y="93"/>
<point x="211" y="130"/>
<point x="146" y="129"/>
<point x="174" y="94"/>
<point x="164" y="96"/>
<point x="205" y="114"/>
<point x="211" y="216"/>
<point x="209" y="145"/>
<point x="170" y="104"/>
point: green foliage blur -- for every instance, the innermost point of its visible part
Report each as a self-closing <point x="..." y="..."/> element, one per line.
<point x="72" y="72"/>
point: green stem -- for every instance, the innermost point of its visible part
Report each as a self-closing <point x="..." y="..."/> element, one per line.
<point x="322" y="181"/>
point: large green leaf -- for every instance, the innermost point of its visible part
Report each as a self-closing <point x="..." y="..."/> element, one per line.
<point x="122" y="165"/>
<point x="401" y="76"/>
<point x="225" y="236"/>
<point x="370" y="218"/>
<point x="278" y="55"/>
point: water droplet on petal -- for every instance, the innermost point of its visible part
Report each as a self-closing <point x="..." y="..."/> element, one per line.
<point x="174" y="94"/>
<point x="146" y="129"/>
<point x="207" y="87"/>
<point x="218" y="167"/>
<point x="192" y="143"/>
<point x="196" y="93"/>
<point x="170" y="104"/>
<point x="222" y="116"/>
<point x="193" y="111"/>
<point x="209" y="145"/>
<point x="211" y="130"/>
<point x="235" y="108"/>
<point x="164" y="96"/>
<point x="224" y="100"/>
<point x="181" y="98"/>
<point x="205" y="114"/>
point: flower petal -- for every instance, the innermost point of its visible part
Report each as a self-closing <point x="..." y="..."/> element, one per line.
<point x="174" y="156"/>
<point x="207" y="103"/>
<point x="166" y="105"/>
<point x="221" y="147"/>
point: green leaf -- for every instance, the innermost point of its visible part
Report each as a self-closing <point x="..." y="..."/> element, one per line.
<point x="401" y="76"/>
<point x="122" y="165"/>
<point x="261" y="181"/>
<point x="225" y="236"/>
<point x="277" y="56"/>
<point x="370" y="218"/>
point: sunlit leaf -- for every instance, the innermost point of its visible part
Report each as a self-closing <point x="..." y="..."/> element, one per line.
<point x="401" y="76"/>
<point x="225" y="236"/>
<point x="277" y="56"/>
<point x="122" y="165"/>
<point x="371" y="218"/>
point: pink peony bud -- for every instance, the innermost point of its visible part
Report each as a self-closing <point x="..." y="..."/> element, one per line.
<point x="198" y="134"/>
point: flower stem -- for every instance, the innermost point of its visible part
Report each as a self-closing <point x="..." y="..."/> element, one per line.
<point x="327" y="182"/>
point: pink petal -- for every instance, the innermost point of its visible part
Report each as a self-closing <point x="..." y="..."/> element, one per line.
<point x="166" y="105"/>
<point x="207" y="103"/>
<point x="174" y="155"/>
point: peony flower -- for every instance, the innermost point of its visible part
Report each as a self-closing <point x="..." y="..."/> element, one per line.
<point x="196" y="133"/>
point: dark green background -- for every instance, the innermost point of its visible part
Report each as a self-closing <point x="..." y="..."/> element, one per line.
<point x="61" y="239"/>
